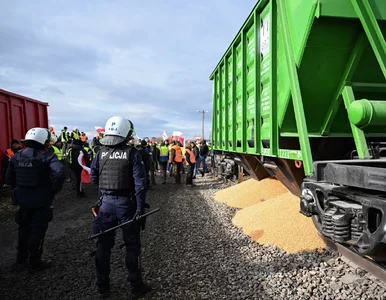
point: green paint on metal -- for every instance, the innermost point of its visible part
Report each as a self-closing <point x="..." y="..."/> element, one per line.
<point x="300" y="19"/>
<point x="226" y="104"/>
<point x="234" y="98"/>
<point x="373" y="32"/>
<point x="364" y="112"/>
<point x="351" y="66"/>
<point x="358" y="134"/>
<point x="258" y="7"/>
<point x="369" y="87"/>
<point x="244" y="91"/>
<point x="252" y="86"/>
<point x="264" y="75"/>
<point x="239" y="95"/>
<point x="344" y="9"/>
<point x="296" y="93"/>
<point x="257" y="139"/>
<point x="274" y="130"/>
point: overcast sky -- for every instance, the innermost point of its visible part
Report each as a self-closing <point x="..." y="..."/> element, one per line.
<point x="147" y="60"/>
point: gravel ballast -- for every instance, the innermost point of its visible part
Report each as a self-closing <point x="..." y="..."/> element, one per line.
<point x="191" y="250"/>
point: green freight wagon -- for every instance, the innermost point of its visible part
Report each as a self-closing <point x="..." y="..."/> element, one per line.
<point x="300" y="94"/>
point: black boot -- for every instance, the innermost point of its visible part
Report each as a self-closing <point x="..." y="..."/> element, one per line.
<point x="43" y="264"/>
<point x="140" y="289"/>
<point x="104" y="290"/>
<point x="20" y="264"/>
<point x="21" y="259"/>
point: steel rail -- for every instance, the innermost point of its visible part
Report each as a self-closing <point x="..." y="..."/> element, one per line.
<point x="357" y="260"/>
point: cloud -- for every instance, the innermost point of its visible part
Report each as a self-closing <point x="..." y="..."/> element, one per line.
<point x="146" y="60"/>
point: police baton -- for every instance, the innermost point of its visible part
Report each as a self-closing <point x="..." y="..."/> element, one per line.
<point x="135" y="218"/>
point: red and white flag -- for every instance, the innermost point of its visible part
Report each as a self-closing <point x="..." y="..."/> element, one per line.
<point x="164" y="136"/>
<point x="176" y="133"/>
<point x="85" y="176"/>
<point x="99" y="129"/>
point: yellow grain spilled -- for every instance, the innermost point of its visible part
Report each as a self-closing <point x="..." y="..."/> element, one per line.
<point x="278" y="222"/>
<point x="250" y="192"/>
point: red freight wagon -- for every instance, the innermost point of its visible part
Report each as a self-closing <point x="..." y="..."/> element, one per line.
<point x="17" y="115"/>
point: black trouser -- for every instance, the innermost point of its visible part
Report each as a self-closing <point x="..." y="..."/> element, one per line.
<point x="33" y="224"/>
<point x="116" y="210"/>
<point x="147" y="176"/>
<point x="189" y="174"/>
<point x="67" y="173"/>
<point x="78" y="177"/>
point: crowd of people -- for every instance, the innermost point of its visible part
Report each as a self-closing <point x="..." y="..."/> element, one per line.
<point x="157" y="157"/>
<point x="122" y="168"/>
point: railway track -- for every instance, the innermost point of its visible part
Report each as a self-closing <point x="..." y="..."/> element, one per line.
<point x="355" y="260"/>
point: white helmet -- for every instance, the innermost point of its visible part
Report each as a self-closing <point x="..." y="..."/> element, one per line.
<point x="40" y="135"/>
<point x="117" y="130"/>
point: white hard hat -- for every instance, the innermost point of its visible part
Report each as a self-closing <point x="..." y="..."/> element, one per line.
<point x="117" y="130"/>
<point x="40" y="135"/>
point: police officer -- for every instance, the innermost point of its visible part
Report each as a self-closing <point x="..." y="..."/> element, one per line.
<point x="118" y="169"/>
<point x="36" y="176"/>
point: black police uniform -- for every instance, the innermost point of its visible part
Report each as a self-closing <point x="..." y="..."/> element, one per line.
<point x="36" y="176"/>
<point x="120" y="173"/>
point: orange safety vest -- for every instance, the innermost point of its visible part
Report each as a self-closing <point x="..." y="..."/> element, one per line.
<point x="10" y="153"/>
<point x="192" y="157"/>
<point x="83" y="138"/>
<point x="178" y="155"/>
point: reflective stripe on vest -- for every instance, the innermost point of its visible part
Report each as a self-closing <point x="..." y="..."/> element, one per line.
<point x="57" y="152"/>
<point x="192" y="157"/>
<point x="69" y="155"/>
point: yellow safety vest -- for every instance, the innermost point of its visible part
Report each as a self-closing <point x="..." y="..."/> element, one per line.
<point x="57" y="152"/>
<point x="75" y="135"/>
<point x="64" y="138"/>
<point x="92" y="150"/>
<point x="164" y="153"/>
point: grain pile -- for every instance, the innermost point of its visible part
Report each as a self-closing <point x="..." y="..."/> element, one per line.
<point x="278" y="222"/>
<point x="250" y="192"/>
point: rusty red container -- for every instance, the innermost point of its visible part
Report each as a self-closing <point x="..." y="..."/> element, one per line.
<point x="18" y="114"/>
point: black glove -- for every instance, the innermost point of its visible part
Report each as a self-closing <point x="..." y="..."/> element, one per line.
<point x="141" y="220"/>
